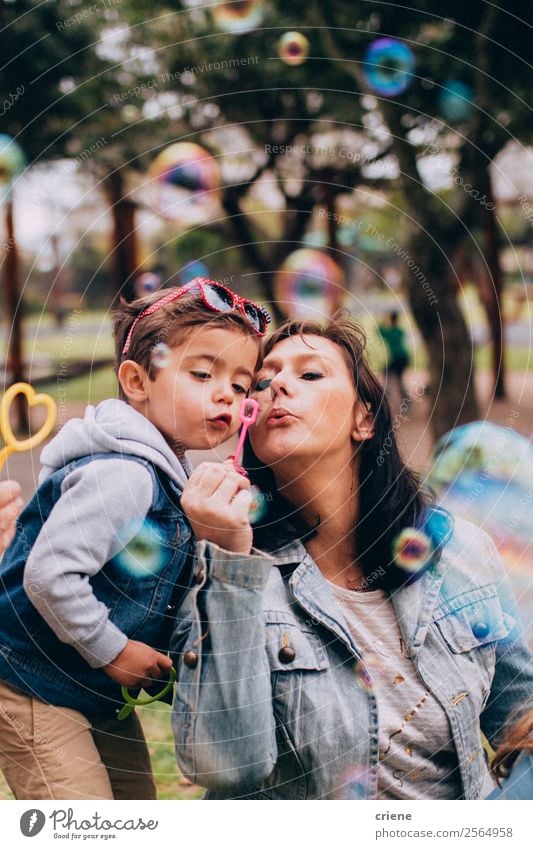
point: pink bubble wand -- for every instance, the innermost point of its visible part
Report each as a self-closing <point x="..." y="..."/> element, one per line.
<point x="247" y="415"/>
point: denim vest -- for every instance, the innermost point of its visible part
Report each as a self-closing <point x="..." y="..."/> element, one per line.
<point x="33" y="659"/>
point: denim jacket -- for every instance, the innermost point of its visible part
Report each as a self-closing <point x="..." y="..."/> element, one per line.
<point x="142" y="606"/>
<point x="254" y="720"/>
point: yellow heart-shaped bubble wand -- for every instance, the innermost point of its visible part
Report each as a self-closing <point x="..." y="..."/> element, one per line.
<point x="13" y="444"/>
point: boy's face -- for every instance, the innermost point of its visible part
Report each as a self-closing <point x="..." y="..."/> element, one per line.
<point x="195" y="400"/>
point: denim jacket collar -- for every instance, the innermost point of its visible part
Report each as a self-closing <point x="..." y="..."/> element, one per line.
<point x="413" y="604"/>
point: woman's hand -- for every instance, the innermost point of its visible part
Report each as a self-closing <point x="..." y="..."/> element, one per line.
<point x="10" y="506"/>
<point x="216" y="501"/>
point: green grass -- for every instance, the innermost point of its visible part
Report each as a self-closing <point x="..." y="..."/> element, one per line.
<point x="156" y="724"/>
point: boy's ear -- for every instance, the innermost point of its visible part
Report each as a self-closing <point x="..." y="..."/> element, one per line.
<point x="363" y="423"/>
<point x="133" y="380"/>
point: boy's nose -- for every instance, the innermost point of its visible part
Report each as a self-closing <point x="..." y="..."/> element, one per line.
<point x="225" y="394"/>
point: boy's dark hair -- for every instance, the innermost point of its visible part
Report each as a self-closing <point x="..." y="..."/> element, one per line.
<point x="168" y="325"/>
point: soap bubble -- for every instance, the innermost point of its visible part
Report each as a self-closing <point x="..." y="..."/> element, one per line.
<point x="238" y="16"/>
<point x="388" y="66"/>
<point x="353" y="784"/>
<point x="456" y="101"/>
<point x="293" y="48"/>
<point x="184" y="172"/>
<point x="369" y="671"/>
<point x="146" y="283"/>
<point x="258" y="505"/>
<point x="160" y="357"/>
<point x="483" y="472"/>
<point x="412" y="550"/>
<point x="309" y="284"/>
<point x="193" y="269"/>
<point x="144" y="554"/>
<point x="11" y="158"/>
<point x="187" y="166"/>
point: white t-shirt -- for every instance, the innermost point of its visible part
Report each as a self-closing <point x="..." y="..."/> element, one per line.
<point x="417" y="756"/>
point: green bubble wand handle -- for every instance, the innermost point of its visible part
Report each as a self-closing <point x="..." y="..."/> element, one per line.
<point x="133" y="702"/>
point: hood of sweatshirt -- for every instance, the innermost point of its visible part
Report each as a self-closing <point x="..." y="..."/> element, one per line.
<point x="112" y="427"/>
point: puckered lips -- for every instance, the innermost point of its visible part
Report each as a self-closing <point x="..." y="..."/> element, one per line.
<point x="221" y="422"/>
<point x="279" y="416"/>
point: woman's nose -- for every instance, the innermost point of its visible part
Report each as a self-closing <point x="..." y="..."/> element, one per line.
<point x="279" y="385"/>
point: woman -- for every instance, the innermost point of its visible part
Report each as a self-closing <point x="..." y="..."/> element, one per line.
<point x="323" y="669"/>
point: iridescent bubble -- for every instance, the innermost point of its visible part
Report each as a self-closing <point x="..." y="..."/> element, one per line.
<point x="293" y="48"/>
<point x="369" y="671"/>
<point x="258" y="505"/>
<point x="144" y="554"/>
<point x="146" y="283"/>
<point x="187" y="166"/>
<point x="238" y="16"/>
<point x="388" y="66"/>
<point x="412" y="550"/>
<point x="483" y="472"/>
<point x="353" y="784"/>
<point x="183" y="173"/>
<point x="456" y="101"/>
<point x="309" y="284"/>
<point x="192" y="270"/>
<point x="11" y="158"/>
<point x="438" y="526"/>
<point x="160" y="357"/>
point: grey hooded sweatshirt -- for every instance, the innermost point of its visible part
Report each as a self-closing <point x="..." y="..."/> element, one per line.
<point x="102" y="506"/>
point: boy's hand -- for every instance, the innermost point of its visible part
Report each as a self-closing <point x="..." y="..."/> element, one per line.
<point x="10" y="506"/>
<point x="216" y="501"/>
<point x="137" y="665"/>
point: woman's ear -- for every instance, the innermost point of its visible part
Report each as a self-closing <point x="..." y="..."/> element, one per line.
<point x="134" y="381"/>
<point x="363" y="428"/>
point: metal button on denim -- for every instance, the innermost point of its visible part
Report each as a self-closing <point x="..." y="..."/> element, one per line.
<point x="286" y="654"/>
<point x="190" y="659"/>
<point x="480" y="630"/>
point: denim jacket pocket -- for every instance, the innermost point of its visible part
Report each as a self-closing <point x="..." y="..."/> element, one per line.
<point x="291" y="649"/>
<point x="469" y="623"/>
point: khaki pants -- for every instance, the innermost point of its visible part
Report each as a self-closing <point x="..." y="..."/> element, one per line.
<point x="49" y="752"/>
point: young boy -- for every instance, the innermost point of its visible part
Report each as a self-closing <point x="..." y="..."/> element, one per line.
<point x="101" y="558"/>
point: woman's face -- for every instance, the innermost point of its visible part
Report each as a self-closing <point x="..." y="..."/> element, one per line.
<point x="309" y="412"/>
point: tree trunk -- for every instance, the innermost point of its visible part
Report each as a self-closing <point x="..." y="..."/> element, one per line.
<point x="124" y="246"/>
<point x="494" y="289"/>
<point x="442" y="326"/>
<point x="15" y="362"/>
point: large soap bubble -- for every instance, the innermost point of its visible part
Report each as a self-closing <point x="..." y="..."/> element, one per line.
<point x="456" y="101"/>
<point x="238" y="16"/>
<point x="388" y="66"/>
<point x="309" y="284"/>
<point x="484" y="473"/>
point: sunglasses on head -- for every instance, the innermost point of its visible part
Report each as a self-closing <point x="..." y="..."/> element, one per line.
<point x="215" y="297"/>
